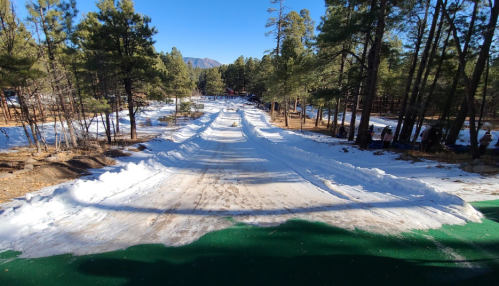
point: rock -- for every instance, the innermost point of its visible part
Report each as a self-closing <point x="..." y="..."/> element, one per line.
<point x="477" y="162"/>
<point x="28" y="167"/>
<point x="31" y="161"/>
<point x="485" y="169"/>
<point x="20" y="172"/>
<point x="62" y="156"/>
<point x="51" y="159"/>
<point x="468" y="168"/>
<point x="6" y="176"/>
<point x="37" y="154"/>
<point x="7" y="165"/>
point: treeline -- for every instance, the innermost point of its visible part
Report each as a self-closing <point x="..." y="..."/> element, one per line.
<point x="413" y="59"/>
<point x="71" y="73"/>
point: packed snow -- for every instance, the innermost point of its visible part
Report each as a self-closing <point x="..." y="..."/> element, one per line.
<point x="192" y="179"/>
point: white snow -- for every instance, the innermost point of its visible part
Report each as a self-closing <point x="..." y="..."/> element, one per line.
<point x="191" y="179"/>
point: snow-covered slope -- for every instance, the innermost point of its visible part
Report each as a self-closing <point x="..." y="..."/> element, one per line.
<point x="190" y="181"/>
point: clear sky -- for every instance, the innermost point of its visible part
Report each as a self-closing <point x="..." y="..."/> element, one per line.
<point x="221" y="30"/>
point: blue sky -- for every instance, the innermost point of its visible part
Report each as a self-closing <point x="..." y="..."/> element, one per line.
<point x="221" y="30"/>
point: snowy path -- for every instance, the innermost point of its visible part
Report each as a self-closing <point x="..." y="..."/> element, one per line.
<point x="214" y="175"/>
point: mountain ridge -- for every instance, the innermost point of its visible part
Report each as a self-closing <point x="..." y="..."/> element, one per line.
<point x="204" y="63"/>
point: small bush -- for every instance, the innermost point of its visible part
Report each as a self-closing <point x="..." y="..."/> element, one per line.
<point x="185" y="106"/>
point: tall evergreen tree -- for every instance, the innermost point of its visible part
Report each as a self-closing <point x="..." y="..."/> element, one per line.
<point x="127" y="39"/>
<point x="214" y="83"/>
<point x="178" y="81"/>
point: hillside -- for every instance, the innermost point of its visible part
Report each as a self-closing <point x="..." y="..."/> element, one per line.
<point x="202" y="63"/>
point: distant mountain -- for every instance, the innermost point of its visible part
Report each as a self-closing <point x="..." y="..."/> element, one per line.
<point x="202" y="63"/>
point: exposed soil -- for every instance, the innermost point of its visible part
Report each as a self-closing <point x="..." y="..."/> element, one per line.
<point x="295" y="124"/>
<point x="23" y="170"/>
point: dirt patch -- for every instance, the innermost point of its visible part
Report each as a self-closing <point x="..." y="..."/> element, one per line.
<point x="22" y="170"/>
<point x="115" y="153"/>
<point x="17" y="182"/>
<point x="309" y="125"/>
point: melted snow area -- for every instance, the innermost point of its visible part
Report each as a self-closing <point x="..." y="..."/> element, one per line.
<point x="192" y="180"/>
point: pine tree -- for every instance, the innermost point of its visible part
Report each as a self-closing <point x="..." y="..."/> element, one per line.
<point x="214" y="83"/>
<point x="126" y="39"/>
<point x="178" y="81"/>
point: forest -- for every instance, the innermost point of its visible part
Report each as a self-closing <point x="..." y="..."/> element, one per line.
<point x="425" y="62"/>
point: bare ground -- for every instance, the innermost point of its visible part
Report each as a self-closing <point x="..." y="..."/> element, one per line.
<point x="23" y="170"/>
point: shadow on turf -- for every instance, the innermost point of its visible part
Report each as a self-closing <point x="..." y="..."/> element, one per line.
<point x="490" y="212"/>
<point x="296" y="253"/>
<point x="309" y="270"/>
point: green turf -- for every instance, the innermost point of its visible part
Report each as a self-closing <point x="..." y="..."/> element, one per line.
<point x="295" y="253"/>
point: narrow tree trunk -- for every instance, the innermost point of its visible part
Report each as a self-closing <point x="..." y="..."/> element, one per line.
<point x="416" y="96"/>
<point x="336" y="111"/>
<point x="4" y="105"/>
<point x="286" y="110"/>
<point x="374" y="60"/>
<point x="404" y="110"/>
<point x="108" y="129"/>
<point x="351" y="133"/>
<point x="432" y="87"/>
<point x="118" y="105"/>
<point x="131" y="111"/>
<point x="471" y="84"/>
<point x="56" y="83"/>
<point x="486" y="82"/>
<point x="328" y="116"/>
<point x="344" y="111"/>
<point x="318" y="116"/>
<point x="23" y="117"/>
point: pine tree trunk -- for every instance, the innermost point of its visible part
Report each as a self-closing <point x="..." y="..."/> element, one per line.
<point x="286" y="110"/>
<point x="433" y="86"/>
<point x="374" y="60"/>
<point x="3" y="103"/>
<point x="131" y="112"/>
<point x="416" y="96"/>
<point x="328" y="117"/>
<point x="56" y="83"/>
<point x="318" y="116"/>
<point x="353" y="120"/>
<point x="404" y="109"/>
<point x="336" y="111"/>
<point x="471" y="85"/>
<point x="118" y="105"/>
<point x="484" y="94"/>
<point x="108" y="129"/>
<point x="344" y="112"/>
